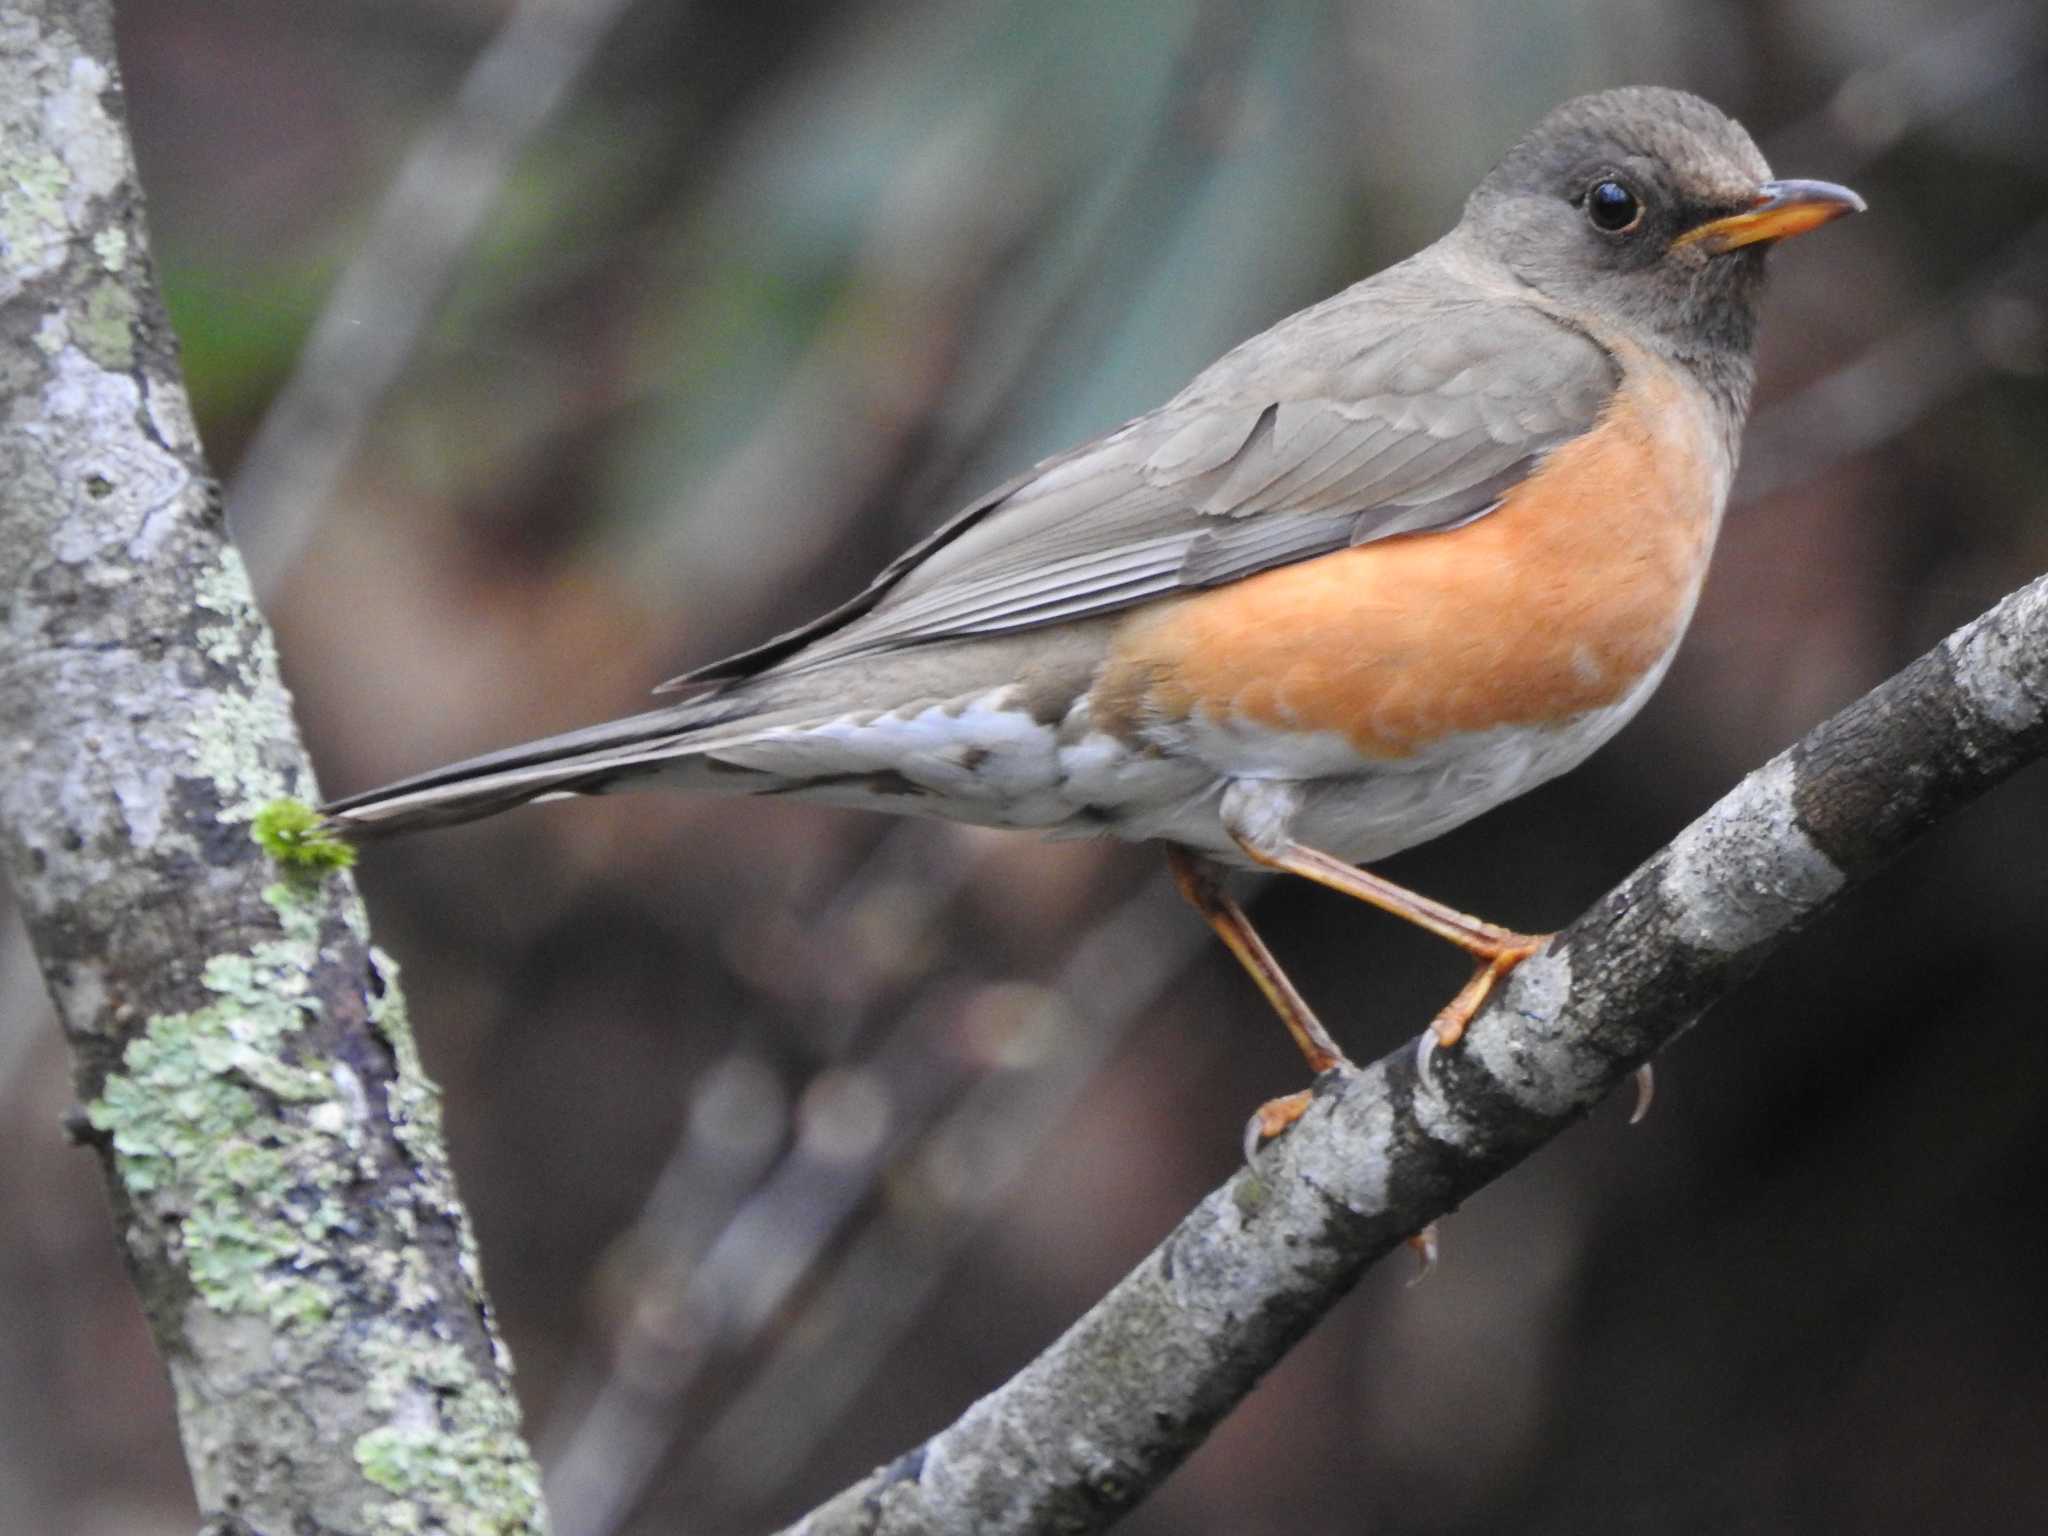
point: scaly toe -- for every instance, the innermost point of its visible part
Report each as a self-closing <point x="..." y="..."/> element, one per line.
<point x="1448" y="1027"/>
<point x="1273" y="1117"/>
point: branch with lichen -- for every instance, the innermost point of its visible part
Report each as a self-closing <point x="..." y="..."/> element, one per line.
<point x="1085" y="1431"/>
<point x="272" y="1147"/>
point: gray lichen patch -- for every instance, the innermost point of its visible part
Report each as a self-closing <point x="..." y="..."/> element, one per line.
<point x="1528" y="1044"/>
<point x="207" y="1116"/>
<point x="223" y="591"/>
<point x="61" y="149"/>
<point x="107" y="324"/>
<point x="240" y="1146"/>
<point x="1747" y="870"/>
<point x="111" y="246"/>
<point x="1999" y="668"/>
<point x="31" y="217"/>
<point x="448" y="1452"/>
<point x="170" y="417"/>
<point x="230" y="745"/>
<point x="123" y="493"/>
<point x="414" y="1106"/>
<point x="234" y="729"/>
<point x="1358" y="1180"/>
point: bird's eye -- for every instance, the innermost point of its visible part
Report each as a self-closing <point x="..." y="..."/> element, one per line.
<point x="1613" y="208"/>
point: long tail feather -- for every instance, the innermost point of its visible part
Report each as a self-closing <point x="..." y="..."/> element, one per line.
<point x="583" y="762"/>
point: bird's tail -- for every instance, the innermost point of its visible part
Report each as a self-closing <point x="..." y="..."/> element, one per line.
<point x="590" y="761"/>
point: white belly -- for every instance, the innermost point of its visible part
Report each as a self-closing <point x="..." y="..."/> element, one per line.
<point x="984" y="761"/>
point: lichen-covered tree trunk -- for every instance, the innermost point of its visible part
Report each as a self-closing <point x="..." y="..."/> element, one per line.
<point x="273" y="1151"/>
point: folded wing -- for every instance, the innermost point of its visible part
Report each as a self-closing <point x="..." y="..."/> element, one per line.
<point x="1336" y="428"/>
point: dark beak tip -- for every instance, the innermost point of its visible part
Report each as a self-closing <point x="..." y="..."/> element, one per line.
<point x="1798" y="192"/>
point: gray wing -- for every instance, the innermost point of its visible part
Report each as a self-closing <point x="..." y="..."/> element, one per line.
<point x="1350" y="422"/>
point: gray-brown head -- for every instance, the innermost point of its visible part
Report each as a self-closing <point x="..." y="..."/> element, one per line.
<point x="1650" y="209"/>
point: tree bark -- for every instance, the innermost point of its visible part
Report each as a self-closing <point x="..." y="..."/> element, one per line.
<point x="1084" y="1432"/>
<point x="272" y="1148"/>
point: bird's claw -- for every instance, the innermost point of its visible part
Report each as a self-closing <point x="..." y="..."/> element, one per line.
<point x="1273" y="1117"/>
<point x="1440" y="1035"/>
<point x="1646" y="1093"/>
<point x="1425" y="1245"/>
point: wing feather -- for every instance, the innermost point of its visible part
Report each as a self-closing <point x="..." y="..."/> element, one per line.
<point x="1353" y="421"/>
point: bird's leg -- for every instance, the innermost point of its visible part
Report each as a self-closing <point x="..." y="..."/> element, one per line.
<point x="1200" y="882"/>
<point x="1256" y="818"/>
<point x="1497" y="950"/>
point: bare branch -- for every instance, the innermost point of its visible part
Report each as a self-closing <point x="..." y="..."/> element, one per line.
<point x="272" y="1148"/>
<point x="1097" y="1421"/>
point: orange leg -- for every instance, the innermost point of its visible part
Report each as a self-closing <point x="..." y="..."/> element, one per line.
<point x="1199" y="882"/>
<point x="1498" y="950"/>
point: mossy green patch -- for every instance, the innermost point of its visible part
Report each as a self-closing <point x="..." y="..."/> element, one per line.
<point x="293" y="834"/>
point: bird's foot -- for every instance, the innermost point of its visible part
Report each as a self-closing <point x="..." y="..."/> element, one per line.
<point x="1273" y="1117"/>
<point x="1502" y="953"/>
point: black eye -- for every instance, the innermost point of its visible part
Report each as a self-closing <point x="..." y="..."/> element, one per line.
<point x="1612" y="207"/>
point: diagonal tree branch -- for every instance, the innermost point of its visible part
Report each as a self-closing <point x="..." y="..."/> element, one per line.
<point x="272" y="1148"/>
<point x="1084" y="1432"/>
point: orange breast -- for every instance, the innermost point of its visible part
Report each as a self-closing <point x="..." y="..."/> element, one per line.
<point x="1556" y="603"/>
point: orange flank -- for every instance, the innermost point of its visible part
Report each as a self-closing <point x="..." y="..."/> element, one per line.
<point x="1556" y="603"/>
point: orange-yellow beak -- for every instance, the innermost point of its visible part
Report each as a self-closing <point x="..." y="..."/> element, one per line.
<point x="1781" y="208"/>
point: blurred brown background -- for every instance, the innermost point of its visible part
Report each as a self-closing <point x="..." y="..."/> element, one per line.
<point x="788" y="1132"/>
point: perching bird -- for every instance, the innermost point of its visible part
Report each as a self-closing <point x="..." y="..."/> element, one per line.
<point x="1409" y="553"/>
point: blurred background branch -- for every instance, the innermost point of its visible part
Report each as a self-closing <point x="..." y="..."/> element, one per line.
<point x="386" y="295"/>
<point x="767" y="293"/>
